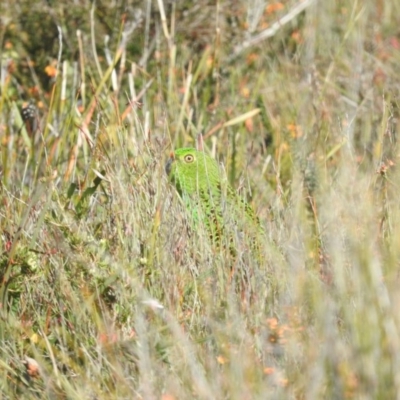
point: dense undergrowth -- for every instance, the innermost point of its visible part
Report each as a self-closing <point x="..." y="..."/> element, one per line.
<point x="107" y="291"/>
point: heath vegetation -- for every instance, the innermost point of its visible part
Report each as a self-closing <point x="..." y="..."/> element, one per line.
<point x="109" y="289"/>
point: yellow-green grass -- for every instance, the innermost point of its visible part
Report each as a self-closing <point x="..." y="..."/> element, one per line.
<point x="106" y="290"/>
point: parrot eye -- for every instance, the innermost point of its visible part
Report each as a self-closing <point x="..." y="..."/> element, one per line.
<point x="189" y="158"/>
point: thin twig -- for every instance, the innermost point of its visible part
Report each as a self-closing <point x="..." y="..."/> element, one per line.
<point x="271" y="31"/>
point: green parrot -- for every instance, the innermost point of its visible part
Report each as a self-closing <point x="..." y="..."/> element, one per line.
<point x="208" y="196"/>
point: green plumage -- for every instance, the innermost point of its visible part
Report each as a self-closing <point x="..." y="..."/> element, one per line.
<point x="208" y="197"/>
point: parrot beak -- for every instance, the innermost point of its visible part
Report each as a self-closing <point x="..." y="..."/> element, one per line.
<point x="168" y="165"/>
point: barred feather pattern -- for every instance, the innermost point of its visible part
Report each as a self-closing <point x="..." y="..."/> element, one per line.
<point x="197" y="179"/>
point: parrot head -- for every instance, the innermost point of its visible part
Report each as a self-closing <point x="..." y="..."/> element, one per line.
<point x="192" y="171"/>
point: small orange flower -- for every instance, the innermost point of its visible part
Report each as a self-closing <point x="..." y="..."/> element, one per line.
<point x="245" y="91"/>
<point x="283" y="382"/>
<point x="249" y="124"/>
<point x="221" y="360"/>
<point x="269" y="370"/>
<point x="271" y="8"/>
<point x="272" y="323"/>
<point x="295" y="130"/>
<point x="51" y="71"/>
<point x="296" y="36"/>
<point x="167" y="397"/>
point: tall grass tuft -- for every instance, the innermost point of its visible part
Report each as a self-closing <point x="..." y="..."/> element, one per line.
<point x="108" y="291"/>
